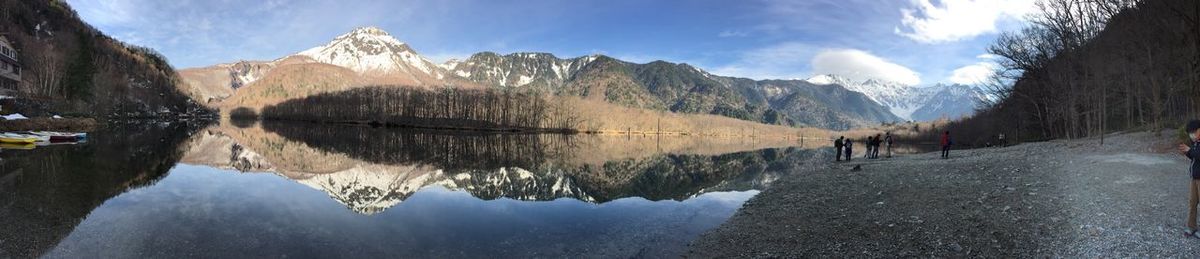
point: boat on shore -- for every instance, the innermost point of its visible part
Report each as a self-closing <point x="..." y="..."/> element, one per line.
<point x="18" y="146"/>
<point x="18" y="138"/>
<point x="54" y="136"/>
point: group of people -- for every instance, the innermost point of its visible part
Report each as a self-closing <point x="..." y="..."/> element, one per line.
<point x="845" y="146"/>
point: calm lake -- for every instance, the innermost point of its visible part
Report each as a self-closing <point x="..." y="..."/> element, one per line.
<point x="306" y="190"/>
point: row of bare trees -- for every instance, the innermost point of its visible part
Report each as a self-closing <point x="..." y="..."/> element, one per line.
<point x="1087" y="67"/>
<point x="479" y="109"/>
<point x="442" y="149"/>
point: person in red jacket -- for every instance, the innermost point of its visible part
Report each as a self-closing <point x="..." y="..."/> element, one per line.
<point x="946" y="142"/>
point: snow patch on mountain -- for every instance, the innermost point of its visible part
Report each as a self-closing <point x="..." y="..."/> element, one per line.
<point x="371" y="49"/>
<point x="517" y="69"/>
<point x="910" y="102"/>
<point x="370" y="189"/>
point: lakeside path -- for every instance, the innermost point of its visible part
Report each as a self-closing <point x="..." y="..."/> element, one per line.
<point x="1127" y="198"/>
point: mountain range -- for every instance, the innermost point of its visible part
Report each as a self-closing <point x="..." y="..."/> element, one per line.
<point x="371" y="56"/>
<point x="939" y="101"/>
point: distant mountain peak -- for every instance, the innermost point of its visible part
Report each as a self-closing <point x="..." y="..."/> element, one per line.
<point x="829" y="79"/>
<point x="532" y="55"/>
<point x="370" y="30"/>
<point x="910" y="102"/>
<point x="370" y="49"/>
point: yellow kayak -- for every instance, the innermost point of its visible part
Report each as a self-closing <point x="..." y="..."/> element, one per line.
<point x="19" y="139"/>
<point x="19" y="146"/>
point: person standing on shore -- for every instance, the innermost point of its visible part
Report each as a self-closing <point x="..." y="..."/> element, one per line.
<point x="1003" y="142"/>
<point x="837" y="145"/>
<point x="849" y="149"/>
<point x="946" y="142"/>
<point x="870" y="143"/>
<point x="1192" y="151"/>
<point x="878" y="144"/>
<point x="887" y="139"/>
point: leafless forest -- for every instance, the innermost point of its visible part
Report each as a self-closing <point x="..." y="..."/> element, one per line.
<point x="446" y="108"/>
<point x="442" y="149"/>
<point x="1084" y="68"/>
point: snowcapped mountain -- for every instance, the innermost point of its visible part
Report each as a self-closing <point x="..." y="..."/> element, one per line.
<point x="948" y="101"/>
<point x="900" y="99"/>
<point x="910" y="102"/>
<point x="517" y="69"/>
<point x="371" y="56"/>
<point x="370" y="50"/>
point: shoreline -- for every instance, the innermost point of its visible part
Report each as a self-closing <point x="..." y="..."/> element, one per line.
<point x="49" y="124"/>
<point x="561" y="131"/>
<point x="1071" y="198"/>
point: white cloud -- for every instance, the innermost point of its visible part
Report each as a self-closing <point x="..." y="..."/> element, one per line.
<point x="861" y="65"/>
<point x="973" y="74"/>
<point x="787" y="60"/>
<point x="954" y="20"/>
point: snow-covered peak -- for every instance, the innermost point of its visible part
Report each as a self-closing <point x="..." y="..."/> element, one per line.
<point x="829" y="80"/>
<point x="369" y="30"/>
<point x="901" y="100"/>
<point x="370" y="49"/>
<point x="451" y="64"/>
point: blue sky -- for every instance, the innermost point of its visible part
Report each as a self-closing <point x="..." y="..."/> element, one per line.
<point x="918" y="42"/>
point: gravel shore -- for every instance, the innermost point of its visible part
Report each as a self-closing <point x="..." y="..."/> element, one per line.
<point x="1126" y="198"/>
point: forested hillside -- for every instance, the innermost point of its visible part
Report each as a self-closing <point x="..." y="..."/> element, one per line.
<point x="1086" y="68"/>
<point x="71" y="67"/>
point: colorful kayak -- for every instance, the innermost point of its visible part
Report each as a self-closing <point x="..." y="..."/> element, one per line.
<point x="60" y="136"/>
<point x="35" y="137"/>
<point x="17" y="138"/>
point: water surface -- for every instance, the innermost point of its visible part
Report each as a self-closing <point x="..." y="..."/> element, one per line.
<point x="274" y="190"/>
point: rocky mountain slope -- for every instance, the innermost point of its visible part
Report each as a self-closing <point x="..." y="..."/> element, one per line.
<point x="913" y="103"/>
<point x="675" y="87"/>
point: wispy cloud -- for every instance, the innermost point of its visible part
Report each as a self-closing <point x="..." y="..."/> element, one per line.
<point x="733" y="33"/>
<point x="862" y="65"/>
<point x="953" y="20"/>
<point x="787" y="60"/>
<point x="975" y="73"/>
<point x="752" y="38"/>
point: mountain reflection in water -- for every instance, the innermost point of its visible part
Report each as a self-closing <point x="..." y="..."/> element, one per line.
<point x="371" y="169"/>
<point x="225" y="190"/>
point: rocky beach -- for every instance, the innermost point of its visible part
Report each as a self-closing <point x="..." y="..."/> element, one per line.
<point x="1067" y="198"/>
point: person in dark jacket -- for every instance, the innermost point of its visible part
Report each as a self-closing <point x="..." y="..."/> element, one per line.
<point x="849" y="149"/>
<point x="872" y="141"/>
<point x="946" y="142"/>
<point x="1192" y="151"/>
<point x="837" y="145"/>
